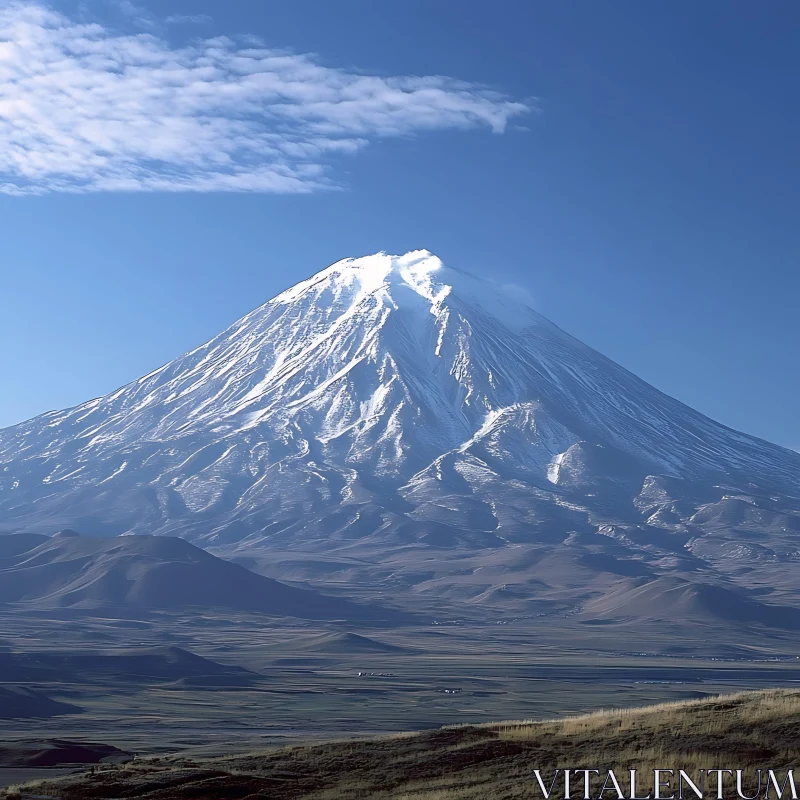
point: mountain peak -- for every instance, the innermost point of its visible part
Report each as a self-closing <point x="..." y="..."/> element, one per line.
<point x="392" y="381"/>
<point x="416" y="270"/>
<point x="417" y="280"/>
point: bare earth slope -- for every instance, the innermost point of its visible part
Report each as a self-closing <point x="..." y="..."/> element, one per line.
<point x="131" y="666"/>
<point x="149" y="572"/>
<point x="20" y="702"/>
<point x="55" y="752"/>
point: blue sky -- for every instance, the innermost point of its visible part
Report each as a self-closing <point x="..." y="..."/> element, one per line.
<point x="635" y="165"/>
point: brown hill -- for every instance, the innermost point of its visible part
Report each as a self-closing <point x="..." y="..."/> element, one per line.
<point x="151" y="572"/>
<point x="675" y="599"/>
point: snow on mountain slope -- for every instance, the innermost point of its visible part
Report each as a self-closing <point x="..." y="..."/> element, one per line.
<point x="388" y="401"/>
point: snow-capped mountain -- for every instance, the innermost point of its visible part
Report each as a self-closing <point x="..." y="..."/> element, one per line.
<point x="391" y="401"/>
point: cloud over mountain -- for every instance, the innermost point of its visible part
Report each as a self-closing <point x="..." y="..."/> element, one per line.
<point x="86" y="108"/>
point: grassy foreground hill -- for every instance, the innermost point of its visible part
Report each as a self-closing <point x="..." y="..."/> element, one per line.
<point x="748" y="730"/>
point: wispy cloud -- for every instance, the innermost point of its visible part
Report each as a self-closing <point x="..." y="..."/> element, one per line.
<point x="519" y="293"/>
<point x="187" y="19"/>
<point x="136" y="15"/>
<point x="84" y="108"/>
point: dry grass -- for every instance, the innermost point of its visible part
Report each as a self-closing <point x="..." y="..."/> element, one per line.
<point x="492" y="761"/>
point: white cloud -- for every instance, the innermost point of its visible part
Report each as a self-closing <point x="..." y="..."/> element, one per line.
<point x="187" y="19"/>
<point x="518" y="293"/>
<point x="137" y="15"/>
<point x="84" y="108"/>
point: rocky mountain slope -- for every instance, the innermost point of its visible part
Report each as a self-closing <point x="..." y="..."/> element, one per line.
<point x="389" y="410"/>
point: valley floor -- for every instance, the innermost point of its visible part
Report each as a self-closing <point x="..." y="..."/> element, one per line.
<point x="134" y="685"/>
